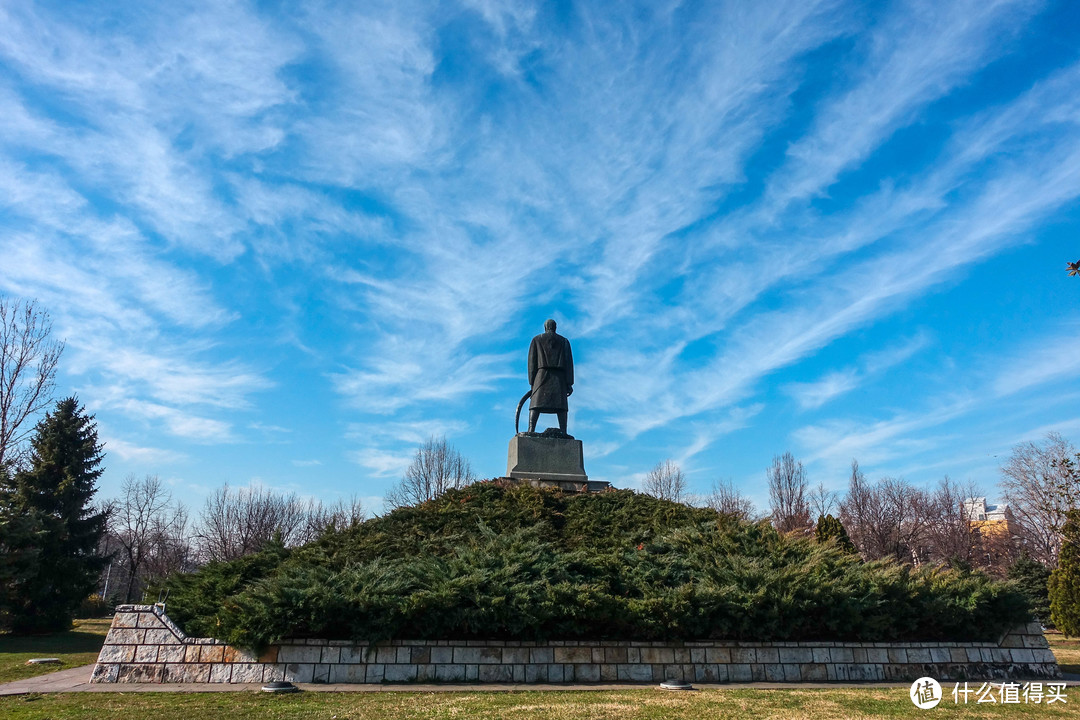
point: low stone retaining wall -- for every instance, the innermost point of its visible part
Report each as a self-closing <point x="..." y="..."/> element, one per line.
<point x="143" y="645"/>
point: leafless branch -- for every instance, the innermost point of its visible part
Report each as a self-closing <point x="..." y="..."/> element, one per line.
<point x="28" y="360"/>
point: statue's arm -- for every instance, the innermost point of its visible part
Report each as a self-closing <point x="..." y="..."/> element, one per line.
<point x="569" y="369"/>
<point x="532" y="361"/>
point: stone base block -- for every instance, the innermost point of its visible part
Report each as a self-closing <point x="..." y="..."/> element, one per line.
<point x="556" y="461"/>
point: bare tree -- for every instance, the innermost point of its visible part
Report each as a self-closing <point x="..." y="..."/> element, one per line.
<point x="235" y="523"/>
<point x="28" y="360"/>
<point x="150" y="530"/>
<point x="436" y="468"/>
<point x="725" y="498"/>
<point x="787" y="494"/>
<point x="884" y="519"/>
<point x="1040" y="485"/>
<point x="821" y="501"/>
<point x="340" y="515"/>
<point x="948" y="532"/>
<point x="665" y="481"/>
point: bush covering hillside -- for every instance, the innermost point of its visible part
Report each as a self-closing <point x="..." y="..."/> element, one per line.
<point x="499" y="561"/>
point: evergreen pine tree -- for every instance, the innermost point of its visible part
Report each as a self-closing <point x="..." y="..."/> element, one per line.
<point x="829" y="527"/>
<point x="1032" y="577"/>
<point x="57" y="489"/>
<point x="1065" y="581"/>
<point x="20" y="538"/>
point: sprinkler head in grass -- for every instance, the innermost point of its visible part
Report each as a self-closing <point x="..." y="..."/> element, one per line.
<point x="280" y="687"/>
<point x="675" y="685"/>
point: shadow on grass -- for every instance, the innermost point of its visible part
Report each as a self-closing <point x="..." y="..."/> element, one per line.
<point x="87" y="636"/>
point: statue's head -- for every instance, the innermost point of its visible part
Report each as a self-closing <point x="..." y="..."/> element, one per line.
<point x="549" y="325"/>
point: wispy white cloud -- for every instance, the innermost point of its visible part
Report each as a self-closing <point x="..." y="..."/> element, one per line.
<point x="812" y="395"/>
<point x="148" y="456"/>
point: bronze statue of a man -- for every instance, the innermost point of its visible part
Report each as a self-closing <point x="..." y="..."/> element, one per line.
<point x="551" y="375"/>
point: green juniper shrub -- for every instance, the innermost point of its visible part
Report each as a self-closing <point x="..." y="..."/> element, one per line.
<point x="1064" y="583"/>
<point x="494" y="561"/>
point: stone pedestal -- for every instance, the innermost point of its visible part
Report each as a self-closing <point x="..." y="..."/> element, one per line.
<point x="549" y="461"/>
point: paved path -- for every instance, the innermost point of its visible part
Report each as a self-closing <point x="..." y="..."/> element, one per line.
<point x="78" y="680"/>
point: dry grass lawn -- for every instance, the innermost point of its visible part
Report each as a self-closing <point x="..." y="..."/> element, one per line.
<point x="627" y="704"/>
<point x="1066" y="650"/>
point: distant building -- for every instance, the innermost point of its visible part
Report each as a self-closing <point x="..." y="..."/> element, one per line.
<point x="978" y="511"/>
<point x="995" y="527"/>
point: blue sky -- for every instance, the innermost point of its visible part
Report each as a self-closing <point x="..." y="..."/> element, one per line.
<point x="286" y="242"/>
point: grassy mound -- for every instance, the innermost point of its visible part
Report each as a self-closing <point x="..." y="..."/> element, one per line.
<point x="497" y="561"/>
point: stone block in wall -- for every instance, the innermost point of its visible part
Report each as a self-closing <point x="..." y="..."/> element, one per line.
<point x="614" y="655"/>
<point x="940" y="655"/>
<point x="221" y="673"/>
<point x="376" y="672"/>
<point x="137" y="673"/>
<point x="814" y="672"/>
<point x="898" y="656"/>
<point x="573" y="655"/>
<point x="609" y="672"/>
<point x="795" y="655"/>
<point x="706" y="672"/>
<point x="555" y="672"/>
<point x="300" y="672"/>
<point x="452" y="672"/>
<point x="150" y="621"/>
<point x="1035" y="641"/>
<point x="247" y="672"/>
<point x="116" y="654"/>
<point x="718" y="655"/>
<point x="355" y="655"/>
<point x="146" y="653"/>
<point x="346" y="673"/>
<point x="768" y="655"/>
<point x="197" y="673"/>
<point x="841" y="655"/>
<point x="322" y="674"/>
<point x="1012" y="640"/>
<point x="273" y="672"/>
<point x="774" y="672"/>
<point x="105" y="673"/>
<point x="125" y="620"/>
<point x="1022" y="655"/>
<point x="740" y="672"/>
<point x="171" y="653"/>
<point x="1044" y="656"/>
<point x="124" y="636"/>
<point x="161" y="637"/>
<point x="918" y="655"/>
<point x="237" y="655"/>
<point x="299" y="654"/>
<point x="211" y="653"/>
<point x="589" y="672"/>
<point x="405" y="672"/>
<point x="496" y="673"/>
<point x="743" y="656"/>
<point x="421" y="655"/>
<point x="518" y="655"/>
<point x="877" y="655"/>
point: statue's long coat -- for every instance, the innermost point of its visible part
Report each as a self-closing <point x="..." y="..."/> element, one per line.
<point x="551" y="372"/>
